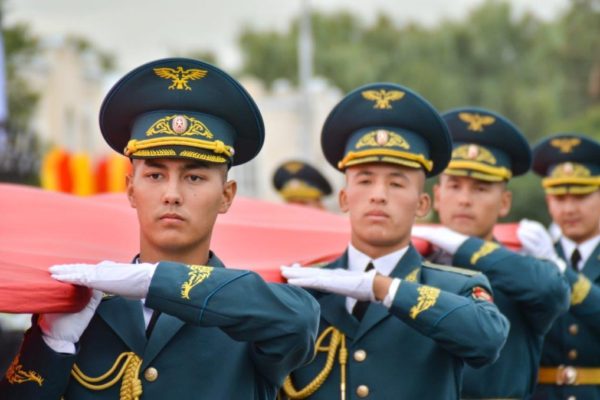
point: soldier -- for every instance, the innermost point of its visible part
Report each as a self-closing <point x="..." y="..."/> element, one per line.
<point x="470" y="197"/>
<point x="401" y="327"/>
<point x="570" y="165"/>
<point x="201" y="330"/>
<point x="300" y="183"/>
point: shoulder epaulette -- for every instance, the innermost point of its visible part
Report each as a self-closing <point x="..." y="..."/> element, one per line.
<point x="448" y="268"/>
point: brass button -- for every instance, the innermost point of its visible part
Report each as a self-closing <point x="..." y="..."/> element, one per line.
<point x="362" y="391"/>
<point x="151" y="374"/>
<point x="360" y="355"/>
<point x="573" y="329"/>
<point x="572" y="354"/>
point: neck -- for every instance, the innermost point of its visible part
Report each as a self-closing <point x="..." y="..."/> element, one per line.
<point x="377" y="251"/>
<point x="151" y="254"/>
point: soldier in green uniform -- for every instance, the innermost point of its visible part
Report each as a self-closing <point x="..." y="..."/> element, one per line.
<point x="201" y="331"/>
<point x="570" y="167"/>
<point x="300" y="183"/>
<point x="392" y="325"/>
<point x="470" y="197"/>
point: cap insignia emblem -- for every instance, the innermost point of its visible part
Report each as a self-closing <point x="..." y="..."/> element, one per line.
<point x="180" y="125"/>
<point x="565" y="145"/>
<point x="382" y="138"/>
<point x="179" y="76"/>
<point x="476" y="122"/>
<point x="382" y="97"/>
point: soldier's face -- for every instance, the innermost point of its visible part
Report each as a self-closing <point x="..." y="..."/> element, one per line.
<point x="177" y="203"/>
<point x="383" y="201"/>
<point x="470" y="206"/>
<point x="577" y="215"/>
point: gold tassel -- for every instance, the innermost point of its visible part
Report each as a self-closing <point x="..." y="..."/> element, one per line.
<point x="337" y="340"/>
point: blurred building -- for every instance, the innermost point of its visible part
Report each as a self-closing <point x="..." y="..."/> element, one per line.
<point x="71" y="85"/>
<point x="290" y="134"/>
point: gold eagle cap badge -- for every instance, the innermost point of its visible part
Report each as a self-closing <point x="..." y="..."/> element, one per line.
<point x="293" y="167"/>
<point x="382" y="97"/>
<point x="565" y="145"/>
<point x="476" y="122"/>
<point x="179" y="76"/>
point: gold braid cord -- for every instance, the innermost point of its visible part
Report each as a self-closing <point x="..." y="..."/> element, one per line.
<point x="131" y="386"/>
<point x="337" y="340"/>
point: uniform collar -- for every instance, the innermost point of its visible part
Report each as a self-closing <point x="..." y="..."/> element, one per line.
<point x="358" y="261"/>
<point x="585" y="249"/>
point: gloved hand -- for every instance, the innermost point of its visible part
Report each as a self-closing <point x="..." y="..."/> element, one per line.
<point x="358" y="285"/>
<point x="61" y="331"/>
<point x="536" y="241"/>
<point x="440" y="236"/>
<point x="127" y="280"/>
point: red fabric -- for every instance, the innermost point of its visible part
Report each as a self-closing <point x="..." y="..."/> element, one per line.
<point x="42" y="228"/>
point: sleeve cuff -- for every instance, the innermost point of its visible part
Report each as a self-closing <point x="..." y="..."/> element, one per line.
<point x="391" y="294"/>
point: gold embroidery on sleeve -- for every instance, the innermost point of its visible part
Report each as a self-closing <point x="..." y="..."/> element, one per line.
<point x="412" y="276"/>
<point x="580" y="290"/>
<point x="16" y="374"/>
<point x="484" y="250"/>
<point x="427" y="298"/>
<point x="197" y="274"/>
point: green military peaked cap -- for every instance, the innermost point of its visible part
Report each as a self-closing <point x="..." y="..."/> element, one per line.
<point x="487" y="146"/>
<point x="299" y="180"/>
<point x="386" y="122"/>
<point x="182" y="108"/>
<point x="569" y="163"/>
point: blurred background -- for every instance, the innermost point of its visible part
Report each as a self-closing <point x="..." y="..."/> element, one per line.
<point x="537" y="62"/>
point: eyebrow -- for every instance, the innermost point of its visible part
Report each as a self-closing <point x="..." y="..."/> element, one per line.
<point x="186" y="167"/>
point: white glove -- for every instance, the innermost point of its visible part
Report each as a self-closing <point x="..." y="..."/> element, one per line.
<point x="127" y="280"/>
<point x="61" y="331"/>
<point x="536" y="241"/>
<point x="440" y="236"/>
<point x="358" y="285"/>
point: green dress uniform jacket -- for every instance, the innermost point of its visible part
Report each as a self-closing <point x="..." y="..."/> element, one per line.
<point x="531" y="293"/>
<point x="574" y="340"/>
<point x="222" y="334"/>
<point x="417" y="348"/>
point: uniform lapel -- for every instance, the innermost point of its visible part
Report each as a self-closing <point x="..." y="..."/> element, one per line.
<point x="376" y="313"/>
<point x="126" y="319"/>
<point x="167" y="326"/>
<point x="333" y="306"/>
<point x="591" y="269"/>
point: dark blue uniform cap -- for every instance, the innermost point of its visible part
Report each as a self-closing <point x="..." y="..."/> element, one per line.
<point x="182" y="108"/>
<point x="569" y="163"/>
<point x="386" y="122"/>
<point x="297" y="180"/>
<point x="487" y="146"/>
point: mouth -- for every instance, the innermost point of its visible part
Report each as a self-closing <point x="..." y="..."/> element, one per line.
<point x="377" y="215"/>
<point x="171" y="217"/>
<point x="463" y="217"/>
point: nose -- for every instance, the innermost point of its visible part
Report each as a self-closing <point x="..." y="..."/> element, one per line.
<point x="378" y="194"/>
<point x="464" y="197"/>
<point x="172" y="194"/>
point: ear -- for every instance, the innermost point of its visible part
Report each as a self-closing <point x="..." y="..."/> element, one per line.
<point x="130" y="190"/>
<point x="343" y="200"/>
<point x="505" y="203"/>
<point x="229" y="191"/>
<point x="424" y="205"/>
<point x="436" y="196"/>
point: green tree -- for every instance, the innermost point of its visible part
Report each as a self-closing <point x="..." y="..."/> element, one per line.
<point x="20" y="160"/>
